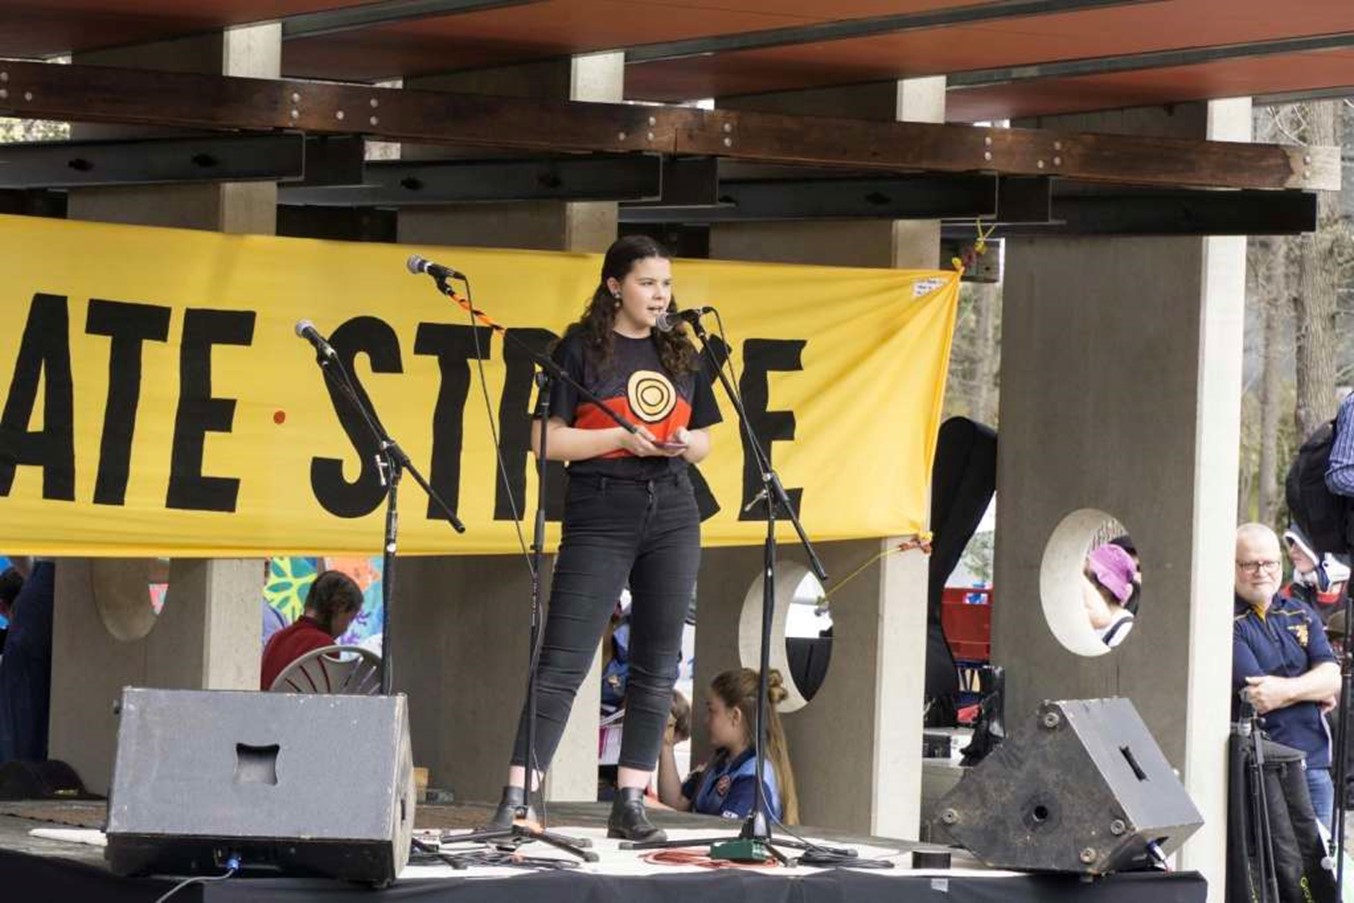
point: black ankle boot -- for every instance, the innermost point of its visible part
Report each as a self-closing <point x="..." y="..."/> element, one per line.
<point x="513" y="798"/>
<point x="628" y="819"/>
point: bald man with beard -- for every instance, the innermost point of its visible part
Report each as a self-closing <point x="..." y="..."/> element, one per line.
<point x="1282" y="661"/>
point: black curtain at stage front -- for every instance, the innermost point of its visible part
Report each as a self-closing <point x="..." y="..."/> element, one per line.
<point x="1273" y="845"/>
<point x="963" y="479"/>
<point x="29" y="877"/>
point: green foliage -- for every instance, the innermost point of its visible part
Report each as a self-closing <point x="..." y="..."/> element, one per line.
<point x="17" y="130"/>
<point x="978" y="555"/>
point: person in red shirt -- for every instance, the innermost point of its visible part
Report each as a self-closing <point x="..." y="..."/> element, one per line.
<point x="332" y="603"/>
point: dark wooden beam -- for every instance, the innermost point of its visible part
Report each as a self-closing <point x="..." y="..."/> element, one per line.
<point x="96" y="94"/>
<point x="1029" y="152"/>
<point x="274" y="157"/>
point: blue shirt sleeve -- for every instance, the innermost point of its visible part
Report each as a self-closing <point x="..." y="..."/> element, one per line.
<point x="692" y="785"/>
<point x="1244" y="662"/>
<point x="1340" y="470"/>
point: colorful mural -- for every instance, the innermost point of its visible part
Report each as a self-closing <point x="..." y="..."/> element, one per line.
<point x="289" y="579"/>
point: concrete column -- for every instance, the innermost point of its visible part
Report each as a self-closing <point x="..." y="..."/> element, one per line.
<point x="874" y="689"/>
<point x="209" y="634"/>
<point x="242" y="207"/>
<point x="462" y="636"/>
<point x="540" y="225"/>
<point x="207" y="638"/>
<point x="1121" y="369"/>
<point x="464" y="657"/>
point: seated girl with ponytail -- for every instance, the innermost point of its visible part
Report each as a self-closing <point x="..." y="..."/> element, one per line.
<point x="727" y="785"/>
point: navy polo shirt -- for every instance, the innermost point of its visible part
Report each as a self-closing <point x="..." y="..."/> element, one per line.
<point x="1287" y="641"/>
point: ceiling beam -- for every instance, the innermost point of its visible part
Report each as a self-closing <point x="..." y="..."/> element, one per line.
<point x="864" y="27"/>
<point x="389" y="12"/>
<point x="900" y="197"/>
<point x="1157" y="59"/>
<point x="190" y="100"/>
<point x="276" y="157"/>
<point x="1082" y="210"/>
<point x="582" y="177"/>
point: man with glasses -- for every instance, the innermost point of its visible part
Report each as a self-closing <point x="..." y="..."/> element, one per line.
<point x="1282" y="661"/>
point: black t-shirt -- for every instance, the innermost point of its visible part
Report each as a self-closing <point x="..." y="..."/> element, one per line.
<point x="637" y="387"/>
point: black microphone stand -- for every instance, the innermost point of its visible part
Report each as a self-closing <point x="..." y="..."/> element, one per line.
<point x="1342" y="731"/>
<point x="1249" y="728"/>
<point x="391" y="463"/>
<point x="521" y="832"/>
<point x="757" y="826"/>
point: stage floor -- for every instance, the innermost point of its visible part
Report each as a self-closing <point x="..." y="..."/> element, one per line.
<point x="48" y="851"/>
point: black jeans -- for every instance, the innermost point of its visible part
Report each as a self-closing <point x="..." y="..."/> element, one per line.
<point x="614" y="530"/>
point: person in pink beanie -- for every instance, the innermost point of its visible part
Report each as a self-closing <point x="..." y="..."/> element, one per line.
<point x="1109" y="592"/>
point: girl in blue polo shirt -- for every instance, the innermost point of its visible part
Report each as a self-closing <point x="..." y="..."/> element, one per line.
<point x="727" y="785"/>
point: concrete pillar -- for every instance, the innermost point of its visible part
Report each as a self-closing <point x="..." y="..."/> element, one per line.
<point x="209" y="634"/>
<point x="1121" y="372"/>
<point x="207" y="637"/>
<point x="242" y="207"/>
<point x="856" y="746"/>
<point x="541" y="225"/>
<point x="464" y="658"/>
<point x="875" y="684"/>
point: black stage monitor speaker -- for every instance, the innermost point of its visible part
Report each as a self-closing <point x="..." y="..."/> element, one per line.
<point x="1082" y="788"/>
<point x="306" y="784"/>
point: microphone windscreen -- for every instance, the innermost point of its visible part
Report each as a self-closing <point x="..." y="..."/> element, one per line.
<point x="416" y="264"/>
<point x="302" y="326"/>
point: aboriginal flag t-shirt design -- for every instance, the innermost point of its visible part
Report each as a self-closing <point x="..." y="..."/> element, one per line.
<point x="638" y="388"/>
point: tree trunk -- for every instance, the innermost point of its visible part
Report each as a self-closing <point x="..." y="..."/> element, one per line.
<point x="985" y="350"/>
<point x="1315" y="292"/>
<point x="1271" y="379"/>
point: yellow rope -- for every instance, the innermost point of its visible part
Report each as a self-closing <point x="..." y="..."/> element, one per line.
<point x="920" y="541"/>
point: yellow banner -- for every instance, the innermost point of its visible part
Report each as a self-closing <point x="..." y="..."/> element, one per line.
<point x="158" y="401"/>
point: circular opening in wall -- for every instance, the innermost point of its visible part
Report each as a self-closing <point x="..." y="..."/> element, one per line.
<point x="1090" y="582"/>
<point x="801" y="634"/>
<point x="129" y="593"/>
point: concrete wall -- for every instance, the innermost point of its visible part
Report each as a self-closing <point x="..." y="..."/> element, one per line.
<point x="852" y="746"/>
<point x="460" y="629"/>
<point x="1121" y="380"/>
<point x="207" y="638"/>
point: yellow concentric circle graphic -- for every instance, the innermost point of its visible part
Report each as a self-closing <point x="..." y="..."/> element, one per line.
<point x="651" y="395"/>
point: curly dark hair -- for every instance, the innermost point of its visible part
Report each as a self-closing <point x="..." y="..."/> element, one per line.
<point x="675" y="350"/>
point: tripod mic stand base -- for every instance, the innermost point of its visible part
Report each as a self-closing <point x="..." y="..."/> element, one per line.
<point x="520" y="834"/>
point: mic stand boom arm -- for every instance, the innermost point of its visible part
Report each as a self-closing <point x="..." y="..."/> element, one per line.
<point x="544" y="361"/>
<point x="772" y="492"/>
<point x="391" y="462"/>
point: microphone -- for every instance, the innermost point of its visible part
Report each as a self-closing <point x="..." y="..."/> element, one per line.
<point x="419" y="264"/>
<point x="668" y="319"/>
<point x="306" y="330"/>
